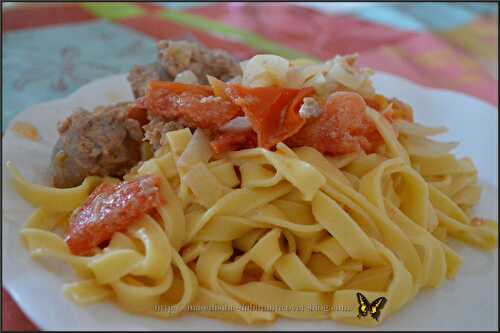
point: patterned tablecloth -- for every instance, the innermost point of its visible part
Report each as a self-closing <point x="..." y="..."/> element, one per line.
<point x="49" y="51"/>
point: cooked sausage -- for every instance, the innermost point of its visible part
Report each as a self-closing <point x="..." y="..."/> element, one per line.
<point x="139" y="76"/>
<point x="104" y="143"/>
<point x="155" y="130"/>
<point x="175" y="57"/>
<point x="178" y="56"/>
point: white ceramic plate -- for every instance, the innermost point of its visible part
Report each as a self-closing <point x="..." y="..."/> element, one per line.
<point x="468" y="302"/>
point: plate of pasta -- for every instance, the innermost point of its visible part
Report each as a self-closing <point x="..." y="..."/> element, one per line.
<point x="202" y="192"/>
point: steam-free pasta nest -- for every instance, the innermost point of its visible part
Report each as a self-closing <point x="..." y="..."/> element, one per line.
<point x="291" y="189"/>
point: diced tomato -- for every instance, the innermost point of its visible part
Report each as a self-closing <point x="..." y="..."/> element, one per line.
<point x="194" y="106"/>
<point x="139" y="111"/>
<point x="178" y="88"/>
<point x="232" y="141"/>
<point x="400" y="110"/>
<point x="272" y="111"/>
<point x="341" y="128"/>
<point x="377" y="102"/>
<point x="111" y="208"/>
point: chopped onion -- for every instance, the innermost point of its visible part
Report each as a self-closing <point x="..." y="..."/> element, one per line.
<point x="265" y="70"/>
<point x="237" y="124"/>
<point x="186" y="77"/>
<point x="343" y="71"/>
<point x="316" y="80"/>
<point x="237" y="79"/>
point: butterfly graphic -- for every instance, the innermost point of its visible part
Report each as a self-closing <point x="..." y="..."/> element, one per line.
<point x="374" y="308"/>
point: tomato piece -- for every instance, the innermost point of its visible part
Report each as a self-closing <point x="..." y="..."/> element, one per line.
<point x="138" y="111"/>
<point x="400" y="110"/>
<point x="341" y="128"/>
<point x="377" y="102"/>
<point x="194" y="106"/>
<point x="179" y="88"/>
<point x="272" y="111"/>
<point x="232" y="141"/>
<point x="111" y="208"/>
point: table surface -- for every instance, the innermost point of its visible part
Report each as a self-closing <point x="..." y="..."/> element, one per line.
<point x="51" y="50"/>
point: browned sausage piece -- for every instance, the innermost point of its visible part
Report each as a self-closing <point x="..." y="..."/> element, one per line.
<point x="155" y="130"/>
<point x="104" y="143"/>
<point x="178" y="56"/>
<point x="175" y="57"/>
<point x="139" y="76"/>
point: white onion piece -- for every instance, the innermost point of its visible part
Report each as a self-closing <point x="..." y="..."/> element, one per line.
<point x="243" y="64"/>
<point x="297" y="76"/>
<point x="315" y="81"/>
<point x="265" y="69"/>
<point x="236" y="79"/>
<point x="186" y="77"/>
<point x="343" y="71"/>
<point x="341" y="74"/>
<point x="310" y="108"/>
<point x="237" y="124"/>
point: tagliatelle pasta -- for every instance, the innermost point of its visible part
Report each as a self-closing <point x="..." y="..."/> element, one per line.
<point x="259" y="234"/>
<point x="142" y="268"/>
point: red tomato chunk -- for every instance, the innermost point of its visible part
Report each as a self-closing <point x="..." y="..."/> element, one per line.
<point x="233" y="141"/>
<point x="111" y="208"/>
<point x="192" y="105"/>
<point x="342" y="127"/>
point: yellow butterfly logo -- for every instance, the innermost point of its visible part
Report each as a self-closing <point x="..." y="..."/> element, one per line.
<point x="374" y="308"/>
